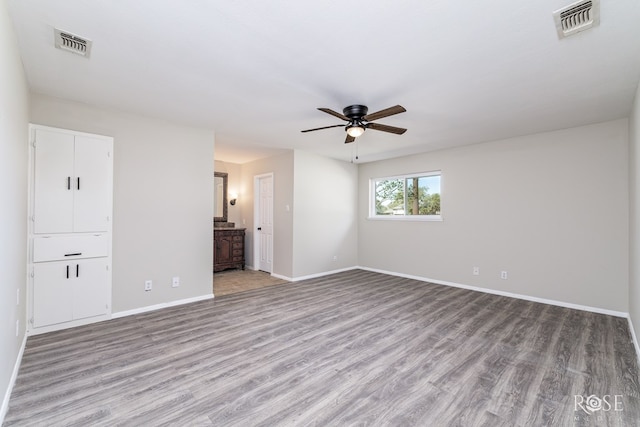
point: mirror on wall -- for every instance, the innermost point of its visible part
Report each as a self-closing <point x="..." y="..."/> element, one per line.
<point x="220" y="196"/>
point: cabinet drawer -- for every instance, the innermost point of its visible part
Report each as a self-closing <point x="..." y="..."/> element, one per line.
<point x="57" y="248"/>
<point x="237" y="252"/>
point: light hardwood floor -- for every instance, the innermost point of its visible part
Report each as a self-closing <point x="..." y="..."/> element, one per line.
<point x="233" y="281"/>
<point x="355" y="348"/>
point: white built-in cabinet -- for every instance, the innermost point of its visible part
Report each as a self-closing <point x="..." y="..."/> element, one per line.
<point x="70" y="207"/>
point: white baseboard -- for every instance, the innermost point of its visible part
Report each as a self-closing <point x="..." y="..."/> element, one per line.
<point x="504" y="294"/>
<point x="313" y="276"/>
<point x="12" y="380"/>
<point x="160" y="306"/>
<point x="634" y="338"/>
<point x="31" y="331"/>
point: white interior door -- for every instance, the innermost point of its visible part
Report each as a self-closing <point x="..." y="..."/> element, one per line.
<point x="264" y="221"/>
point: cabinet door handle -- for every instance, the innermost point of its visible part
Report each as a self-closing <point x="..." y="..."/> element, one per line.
<point x="259" y="228"/>
<point x="77" y="270"/>
<point x="68" y="183"/>
<point x="67" y="271"/>
<point x="78" y="183"/>
<point x="76" y="254"/>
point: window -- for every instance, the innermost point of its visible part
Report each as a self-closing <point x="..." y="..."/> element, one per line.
<point x="415" y="196"/>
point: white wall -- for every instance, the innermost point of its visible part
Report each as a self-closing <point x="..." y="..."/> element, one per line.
<point x="234" y="180"/>
<point x="634" y="213"/>
<point x="282" y="168"/>
<point x="325" y="210"/>
<point x="163" y="200"/>
<point x="551" y="209"/>
<point x="14" y="121"/>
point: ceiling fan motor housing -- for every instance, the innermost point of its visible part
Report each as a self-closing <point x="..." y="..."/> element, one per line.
<point x="355" y="111"/>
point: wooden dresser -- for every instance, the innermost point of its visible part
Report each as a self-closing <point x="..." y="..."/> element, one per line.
<point x="228" y="248"/>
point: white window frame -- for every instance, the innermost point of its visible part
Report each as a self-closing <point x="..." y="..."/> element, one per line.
<point x="404" y="217"/>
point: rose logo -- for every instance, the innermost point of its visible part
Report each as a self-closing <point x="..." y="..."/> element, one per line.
<point x="594" y="403"/>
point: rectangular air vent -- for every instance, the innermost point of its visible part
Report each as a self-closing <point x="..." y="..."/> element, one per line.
<point x="577" y="17"/>
<point x="72" y="43"/>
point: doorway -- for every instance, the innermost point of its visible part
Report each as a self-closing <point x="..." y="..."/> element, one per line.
<point x="263" y="214"/>
<point x="235" y="281"/>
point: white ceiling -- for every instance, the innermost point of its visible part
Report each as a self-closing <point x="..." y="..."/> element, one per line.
<point x="255" y="71"/>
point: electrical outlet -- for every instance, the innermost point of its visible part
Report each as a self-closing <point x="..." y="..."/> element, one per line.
<point x="335" y="258"/>
<point x="148" y="285"/>
<point x="503" y="275"/>
<point x="175" y="282"/>
<point x="476" y="271"/>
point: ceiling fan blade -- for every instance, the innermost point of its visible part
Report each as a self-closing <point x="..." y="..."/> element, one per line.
<point x="325" y="127"/>
<point x="384" y="113"/>
<point x="349" y="139"/>
<point x="335" y="113"/>
<point x="386" y="128"/>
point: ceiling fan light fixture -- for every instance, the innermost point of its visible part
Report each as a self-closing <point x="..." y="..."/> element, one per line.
<point x="358" y="120"/>
<point x="355" y="130"/>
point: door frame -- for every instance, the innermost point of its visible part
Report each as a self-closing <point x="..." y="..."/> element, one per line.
<point x="256" y="215"/>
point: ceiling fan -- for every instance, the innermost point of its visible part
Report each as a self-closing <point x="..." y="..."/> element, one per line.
<point x="358" y="120"/>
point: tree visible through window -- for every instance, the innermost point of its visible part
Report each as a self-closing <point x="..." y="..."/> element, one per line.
<point x="407" y="195"/>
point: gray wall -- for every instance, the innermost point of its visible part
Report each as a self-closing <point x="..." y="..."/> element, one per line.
<point x="14" y="121"/>
<point x="634" y="232"/>
<point x="163" y="200"/>
<point x="551" y="209"/>
<point x="325" y="207"/>
<point x="282" y="168"/>
<point x="321" y="221"/>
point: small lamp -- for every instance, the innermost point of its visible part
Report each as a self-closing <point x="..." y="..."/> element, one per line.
<point x="232" y="198"/>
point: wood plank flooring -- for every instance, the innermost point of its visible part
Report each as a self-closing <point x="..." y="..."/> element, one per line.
<point x="355" y="348"/>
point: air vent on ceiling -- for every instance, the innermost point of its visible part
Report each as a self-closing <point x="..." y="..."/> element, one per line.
<point x="577" y="17"/>
<point x="72" y="43"/>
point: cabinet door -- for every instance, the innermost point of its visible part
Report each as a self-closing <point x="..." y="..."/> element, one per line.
<point x="90" y="287"/>
<point x="52" y="293"/>
<point x="91" y="184"/>
<point x="223" y="249"/>
<point x="53" y="189"/>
